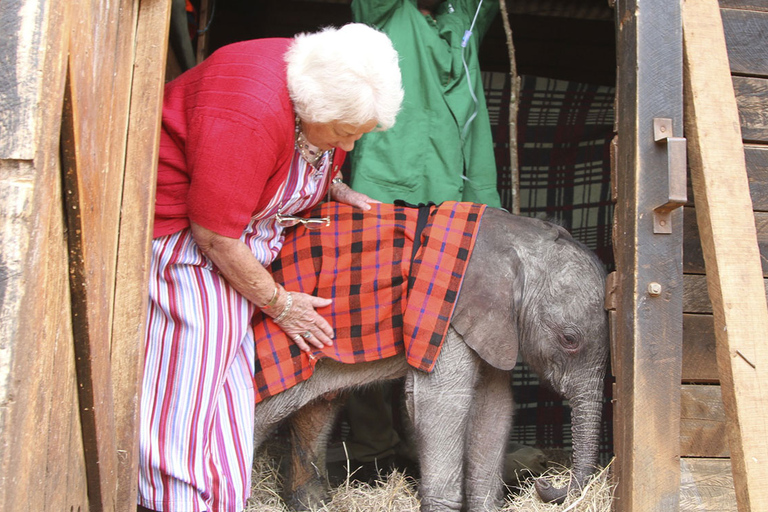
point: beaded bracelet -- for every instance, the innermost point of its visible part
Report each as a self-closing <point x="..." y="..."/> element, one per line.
<point x="288" y="304"/>
<point x="272" y="301"/>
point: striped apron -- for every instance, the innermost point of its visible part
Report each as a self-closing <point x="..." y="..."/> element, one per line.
<point x="197" y="401"/>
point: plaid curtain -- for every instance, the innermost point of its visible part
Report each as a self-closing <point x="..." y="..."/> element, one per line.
<point x="564" y="130"/>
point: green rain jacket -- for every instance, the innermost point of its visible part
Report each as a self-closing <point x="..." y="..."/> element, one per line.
<point x="424" y="157"/>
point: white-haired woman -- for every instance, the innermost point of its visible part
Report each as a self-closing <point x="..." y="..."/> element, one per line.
<point x="250" y="138"/>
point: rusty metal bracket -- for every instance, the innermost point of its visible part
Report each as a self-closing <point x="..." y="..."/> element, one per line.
<point x="676" y="174"/>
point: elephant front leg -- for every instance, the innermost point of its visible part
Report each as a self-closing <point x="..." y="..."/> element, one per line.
<point x="488" y="433"/>
<point x="310" y="427"/>
<point x="439" y="405"/>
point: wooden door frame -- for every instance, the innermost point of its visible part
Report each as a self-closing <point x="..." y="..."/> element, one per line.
<point x="647" y="323"/>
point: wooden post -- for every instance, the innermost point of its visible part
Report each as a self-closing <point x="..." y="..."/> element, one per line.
<point x="729" y="242"/>
<point x="648" y="320"/>
<point x="204" y="17"/>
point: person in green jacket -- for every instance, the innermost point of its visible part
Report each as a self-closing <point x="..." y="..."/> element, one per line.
<point x="441" y="148"/>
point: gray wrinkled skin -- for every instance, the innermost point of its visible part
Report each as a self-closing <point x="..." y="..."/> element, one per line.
<point x="530" y="290"/>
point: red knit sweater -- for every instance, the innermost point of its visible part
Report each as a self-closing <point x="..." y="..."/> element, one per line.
<point x="227" y="139"/>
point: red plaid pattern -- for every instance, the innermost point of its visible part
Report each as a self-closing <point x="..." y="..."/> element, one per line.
<point x="363" y="262"/>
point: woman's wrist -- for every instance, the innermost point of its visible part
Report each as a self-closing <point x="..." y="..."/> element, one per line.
<point x="286" y="309"/>
<point x="273" y="301"/>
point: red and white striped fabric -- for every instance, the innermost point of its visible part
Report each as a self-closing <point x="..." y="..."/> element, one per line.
<point x="197" y="402"/>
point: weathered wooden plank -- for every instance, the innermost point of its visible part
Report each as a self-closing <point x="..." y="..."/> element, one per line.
<point x="693" y="262"/>
<point x="693" y="257"/>
<point x="41" y="460"/>
<point x="729" y="241"/>
<point x="752" y="100"/>
<point x="751" y="5"/>
<point x="647" y="400"/>
<point x="702" y="425"/>
<point x="757" y="172"/>
<point x="91" y="352"/>
<point x="706" y="486"/>
<point x="746" y="37"/>
<point x="100" y="60"/>
<point x="696" y="295"/>
<point x="21" y="84"/>
<point x="136" y="237"/>
<point x="61" y="435"/>
<point x="699" y="349"/>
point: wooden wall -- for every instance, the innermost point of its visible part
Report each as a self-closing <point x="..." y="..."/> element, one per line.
<point x="78" y="145"/>
<point x="707" y="481"/>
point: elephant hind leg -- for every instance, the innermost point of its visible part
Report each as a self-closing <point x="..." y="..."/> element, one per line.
<point x="310" y="427"/>
<point x="489" y="426"/>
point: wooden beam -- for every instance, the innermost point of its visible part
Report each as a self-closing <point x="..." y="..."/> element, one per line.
<point x="729" y="242"/>
<point x="130" y="307"/>
<point x="649" y="325"/>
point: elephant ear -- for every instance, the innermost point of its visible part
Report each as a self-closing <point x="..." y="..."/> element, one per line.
<point x="485" y="314"/>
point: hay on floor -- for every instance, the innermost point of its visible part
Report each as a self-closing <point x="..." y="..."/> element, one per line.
<point x="396" y="492"/>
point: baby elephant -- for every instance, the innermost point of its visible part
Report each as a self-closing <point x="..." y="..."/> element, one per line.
<point x="529" y="288"/>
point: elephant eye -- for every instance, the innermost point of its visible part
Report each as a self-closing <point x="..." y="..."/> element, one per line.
<point x="569" y="341"/>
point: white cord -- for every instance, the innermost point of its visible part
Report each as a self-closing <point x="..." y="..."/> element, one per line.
<point x="464" y="42"/>
<point x="468" y="33"/>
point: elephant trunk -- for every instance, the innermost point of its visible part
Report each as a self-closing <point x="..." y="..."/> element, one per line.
<point x="586" y="415"/>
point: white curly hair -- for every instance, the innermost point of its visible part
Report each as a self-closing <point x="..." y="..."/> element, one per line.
<point x="349" y="74"/>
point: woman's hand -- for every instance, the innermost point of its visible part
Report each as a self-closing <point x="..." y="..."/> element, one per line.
<point x="243" y="271"/>
<point x="343" y="194"/>
<point x="299" y="320"/>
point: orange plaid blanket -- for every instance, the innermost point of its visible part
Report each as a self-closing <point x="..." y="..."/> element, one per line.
<point x="383" y="303"/>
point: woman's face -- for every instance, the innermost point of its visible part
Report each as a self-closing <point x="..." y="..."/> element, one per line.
<point x="335" y="134"/>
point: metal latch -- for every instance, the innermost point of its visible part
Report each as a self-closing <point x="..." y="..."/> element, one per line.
<point x="676" y="174"/>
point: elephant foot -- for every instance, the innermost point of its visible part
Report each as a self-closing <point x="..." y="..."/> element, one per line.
<point x="488" y="504"/>
<point x="550" y="494"/>
<point x="308" y="496"/>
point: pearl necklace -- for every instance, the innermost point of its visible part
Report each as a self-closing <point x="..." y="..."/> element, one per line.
<point x="308" y="151"/>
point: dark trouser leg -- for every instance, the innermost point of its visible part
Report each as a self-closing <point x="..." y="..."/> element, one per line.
<point x="372" y="434"/>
